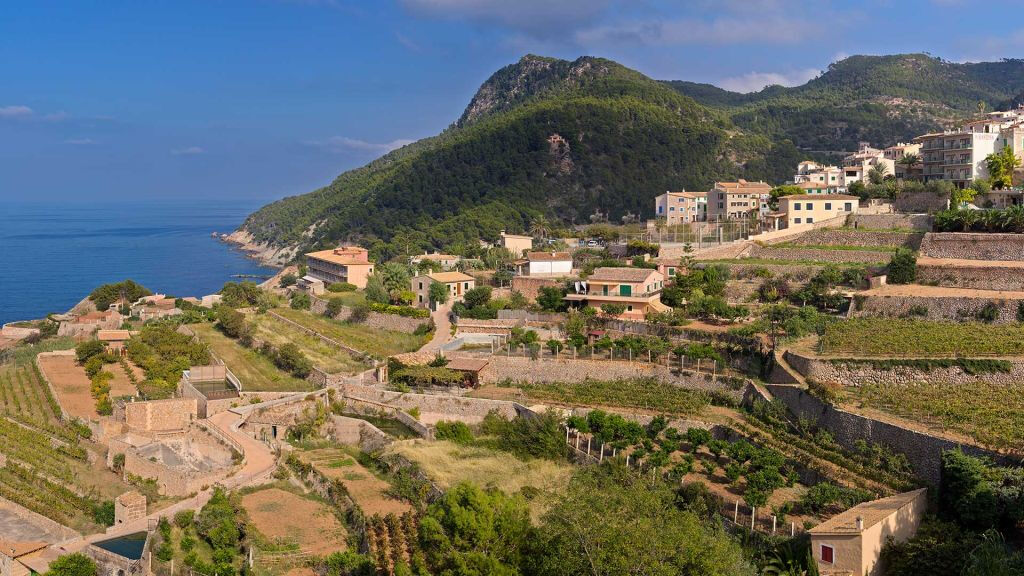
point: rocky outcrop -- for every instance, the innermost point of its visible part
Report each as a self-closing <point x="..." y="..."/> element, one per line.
<point x="265" y="253"/>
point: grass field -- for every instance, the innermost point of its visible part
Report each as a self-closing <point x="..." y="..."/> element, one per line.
<point x="256" y="371"/>
<point x="285" y="520"/>
<point x="368" y="491"/>
<point x="991" y="414"/>
<point x="648" y="394"/>
<point x="909" y="337"/>
<point x="324" y="356"/>
<point x="374" y="341"/>
<point x="448" y="464"/>
<point x="346" y="298"/>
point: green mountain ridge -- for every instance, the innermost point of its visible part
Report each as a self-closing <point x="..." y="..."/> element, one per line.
<point x="564" y="139"/>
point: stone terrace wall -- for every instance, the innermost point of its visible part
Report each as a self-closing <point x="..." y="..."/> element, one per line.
<point x="849" y="372"/>
<point x="920" y="202"/>
<point x="921" y="222"/>
<point x="971" y="246"/>
<point x="358" y="432"/>
<point x="160" y="415"/>
<point x="971" y="277"/>
<point x="830" y="256"/>
<point x="530" y="286"/>
<point x="939" y="308"/>
<point x="377" y="320"/>
<point x="924" y="451"/>
<point x="851" y="237"/>
<point x="794" y="272"/>
<point x="469" y="410"/>
<point x="170" y="481"/>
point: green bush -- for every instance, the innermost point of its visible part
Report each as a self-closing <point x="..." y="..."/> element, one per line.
<point x="406" y="311"/>
<point x="457" y="432"/>
<point x="902" y="267"/>
<point x="360" y="312"/>
<point x="88" y="349"/>
<point x="301" y="301"/>
<point x="341" y="287"/>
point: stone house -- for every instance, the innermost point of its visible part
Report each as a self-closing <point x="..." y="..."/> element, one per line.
<point x="637" y="289"/>
<point x="456" y="282"/>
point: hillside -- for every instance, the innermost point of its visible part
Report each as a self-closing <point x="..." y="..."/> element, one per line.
<point x="541" y="136"/>
<point x="879" y="99"/>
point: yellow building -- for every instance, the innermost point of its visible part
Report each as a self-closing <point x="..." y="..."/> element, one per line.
<point x="638" y="289"/>
<point x="811" y="208"/>
<point x="737" y="200"/>
<point x="516" y="244"/>
<point x="343" y="264"/>
<point x="850" y="543"/>
<point x="457" y="282"/>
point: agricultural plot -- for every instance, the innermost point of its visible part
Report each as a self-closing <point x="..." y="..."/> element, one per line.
<point x="73" y="387"/>
<point x="373" y="341"/>
<point x="24" y="395"/>
<point x="324" y="356"/>
<point x="991" y="414"/>
<point x="392" y="540"/>
<point x="255" y="370"/>
<point x="368" y="491"/>
<point x="288" y="521"/>
<point x="646" y="394"/>
<point x="921" y="338"/>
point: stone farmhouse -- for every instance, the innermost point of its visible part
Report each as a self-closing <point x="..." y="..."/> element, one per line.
<point x="456" y="282"/>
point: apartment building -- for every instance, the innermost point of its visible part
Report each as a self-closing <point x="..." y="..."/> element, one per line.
<point x="857" y="165"/>
<point x="638" y="289"/>
<point x="811" y="208"/>
<point x="959" y="155"/>
<point x="898" y="151"/>
<point x="825" y="177"/>
<point x="738" y="200"/>
<point x="682" y="207"/>
<point x="343" y="264"/>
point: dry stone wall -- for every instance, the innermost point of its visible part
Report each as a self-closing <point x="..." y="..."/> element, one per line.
<point x="921" y="222"/>
<point x="934" y="307"/>
<point x="161" y="415"/>
<point x="978" y="278"/>
<point x="821" y="255"/>
<point x="922" y="201"/>
<point x="469" y="410"/>
<point x="971" y="246"/>
<point x="357" y="432"/>
<point x="856" y="372"/>
<point x="377" y="320"/>
<point x="851" y="237"/>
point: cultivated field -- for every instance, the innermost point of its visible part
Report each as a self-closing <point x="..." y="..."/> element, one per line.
<point x="324" y="356"/>
<point x="991" y="414"/>
<point x="374" y="341"/>
<point x="286" y="519"/>
<point x="908" y="337"/>
<point x="369" y="492"/>
<point x="73" y="388"/>
<point x="256" y="371"/>
<point x="24" y="395"/>
<point x="643" y="394"/>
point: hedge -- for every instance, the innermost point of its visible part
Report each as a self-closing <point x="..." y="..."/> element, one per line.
<point x="407" y="311"/>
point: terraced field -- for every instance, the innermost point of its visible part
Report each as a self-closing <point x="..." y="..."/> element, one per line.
<point x="24" y="394"/>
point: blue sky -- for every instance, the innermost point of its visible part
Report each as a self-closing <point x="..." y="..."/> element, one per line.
<point x="259" y="99"/>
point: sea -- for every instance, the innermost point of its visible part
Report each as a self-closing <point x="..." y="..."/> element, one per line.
<point x="53" y="255"/>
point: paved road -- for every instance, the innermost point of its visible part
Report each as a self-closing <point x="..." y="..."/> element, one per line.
<point x="442" y="330"/>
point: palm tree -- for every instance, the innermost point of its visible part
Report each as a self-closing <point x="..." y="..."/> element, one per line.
<point x="908" y="161"/>
<point x="540" y="227"/>
<point x="877" y="173"/>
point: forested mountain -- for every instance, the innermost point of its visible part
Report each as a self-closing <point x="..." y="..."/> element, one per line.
<point x="879" y="99"/>
<point x="541" y="136"/>
<point x="563" y="139"/>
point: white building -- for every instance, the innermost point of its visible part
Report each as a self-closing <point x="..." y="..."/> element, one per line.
<point x="546" y="264"/>
<point x="827" y="177"/>
<point x="959" y="155"/>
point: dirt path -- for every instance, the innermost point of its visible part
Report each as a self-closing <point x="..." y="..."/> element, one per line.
<point x="943" y="291"/>
<point x="442" y="330"/>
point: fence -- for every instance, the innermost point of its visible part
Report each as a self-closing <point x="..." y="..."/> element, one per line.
<point x="698" y="234"/>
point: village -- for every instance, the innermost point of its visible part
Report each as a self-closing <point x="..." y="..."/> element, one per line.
<point x="793" y="349"/>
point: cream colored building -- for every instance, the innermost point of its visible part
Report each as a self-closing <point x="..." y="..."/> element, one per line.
<point x="738" y="200"/>
<point x="456" y="282"/>
<point x="898" y="151"/>
<point x="812" y="208"/>
<point x="638" y="289"/>
<point x="681" y="207"/>
<point x="850" y="543"/>
<point x="445" y="261"/>
<point x="516" y="244"/>
<point x="827" y="177"/>
<point x="343" y="264"/>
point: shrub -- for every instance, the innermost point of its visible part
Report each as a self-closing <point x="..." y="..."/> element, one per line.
<point x="406" y="311"/>
<point x="919" y="310"/>
<point x="287" y="280"/>
<point x="334" y="307"/>
<point x="184" y="518"/>
<point x="988" y="313"/>
<point x="94" y="365"/>
<point x="118" y="462"/>
<point x="76" y="564"/>
<point x="697" y="437"/>
<point x="825" y="391"/>
<point x="301" y="301"/>
<point x="88" y="349"/>
<point x="360" y="312"/>
<point x="103" y="513"/>
<point x="232" y="322"/>
<point x="902" y="267"/>
<point x="457" y="432"/>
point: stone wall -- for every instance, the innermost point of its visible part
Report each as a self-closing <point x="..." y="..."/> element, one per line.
<point x="793" y="272"/>
<point x="392" y="322"/>
<point x="923" y="451"/>
<point x="854" y="372"/>
<point x="978" y="278"/>
<point x="821" y="255"/>
<point x="435" y="407"/>
<point x="851" y="237"/>
<point x="520" y="369"/>
<point x="938" y="307"/>
<point x="530" y="286"/>
<point x="171" y="482"/>
<point x="971" y="246"/>
<point x="161" y="415"/>
<point x="356" y="432"/>
<point x="922" y="201"/>
<point x="921" y="222"/>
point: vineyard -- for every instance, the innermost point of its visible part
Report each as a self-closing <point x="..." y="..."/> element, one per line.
<point x="392" y="540"/>
<point x="909" y="337"/>
<point x="25" y="396"/>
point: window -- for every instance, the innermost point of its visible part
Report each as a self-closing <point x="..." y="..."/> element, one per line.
<point x="796" y="220"/>
<point x="827" y="554"/>
<point x="421" y="285"/>
<point x="796" y="205"/>
<point x="661" y="209"/>
<point x="810" y="220"/>
<point x="671" y="271"/>
<point x="629" y="308"/>
<point x="828" y="205"/>
<point x="466" y="285"/>
<point x="671" y="208"/>
<point x="848" y="207"/>
<point x="421" y="298"/>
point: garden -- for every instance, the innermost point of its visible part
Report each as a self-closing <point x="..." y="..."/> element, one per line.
<point x="256" y="370"/>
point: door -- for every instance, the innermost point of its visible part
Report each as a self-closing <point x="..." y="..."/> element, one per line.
<point x="625" y="290"/>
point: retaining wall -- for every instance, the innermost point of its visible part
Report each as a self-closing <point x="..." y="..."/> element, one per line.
<point x="469" y="410"/>
<point x="938" y="307"/>
<point x="821" y="255"/>
<point x="922" y="201"/>
<point x="978" y="278"/>
<point x="922" y="222"/>
<point x="161" y="415"/>
<point x="971" y="246"/>
<point x="852" y="237"/>
<point x="358" y="432"/>
<point x="853" y="372"/>
<point x="391" y="322"/>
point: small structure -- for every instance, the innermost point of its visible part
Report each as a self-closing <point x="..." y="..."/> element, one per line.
<point x="128" y="507"/>
<point x="851" y="542"/>
<point x="85" y="325"/>
<point x="121" y="555"/>
<point x="161" y="416"/>
<point x="811" y="208"/>
<point x="470" y="369"/>
<point x="456" y="282"/>
<point x="545" y="264"/>
<point x="349" y="264"/>
<point x="214" y="387"/>
<point x="115" y="339"/>
<point x="210" y="300"/>
<point x="445" y="261"/>
<point x="638" y="290"/>
<point x="13" y="553"/>
<point x="155" y="306"/>
<point x="517" y="245"/>
<point x="310" y="285"/>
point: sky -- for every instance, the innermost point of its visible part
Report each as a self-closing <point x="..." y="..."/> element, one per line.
<point x="111" y="100"/>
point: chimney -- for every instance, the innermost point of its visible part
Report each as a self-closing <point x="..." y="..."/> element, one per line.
<point x="860" y="524"/>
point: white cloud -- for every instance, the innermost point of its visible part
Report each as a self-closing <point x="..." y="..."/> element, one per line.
<point x="407" y="42"/>
<point x="754" y="81"/>
<point x="346" y="144"/>
<point x="753" y="29"/>
<point x="15" y="111"/>
<point x="187" y="151"/>
<point x="537" y="18"/>
<point x="80" y="141"/>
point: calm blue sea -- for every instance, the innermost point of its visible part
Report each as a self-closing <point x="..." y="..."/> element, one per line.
<point x="52" y="256"/>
